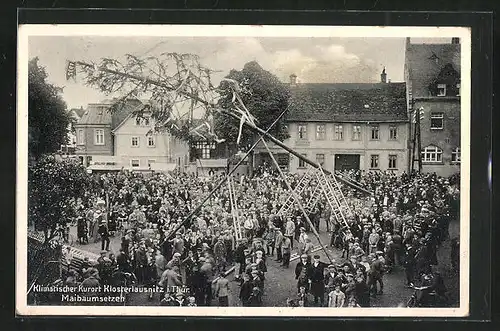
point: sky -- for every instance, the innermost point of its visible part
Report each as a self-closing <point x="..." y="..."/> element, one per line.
<point x="313" y="60"/>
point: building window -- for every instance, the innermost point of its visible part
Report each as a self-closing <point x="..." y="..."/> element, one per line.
<point x="151" y="141"/>
<point x="437" y="121"/>
<point x="458" y="90"/>
<point x="432" y="154"/>
<point x="135" y="141"/>
<point x="98" y="137"/>
<point x="455" y="155"/>
<point x="146" y="121"/>
<point x="205" y="148"/>
<point x="135" y="163"/>
<point x="393" y="132"/>
<point x="441" y="91"/>
<point x="320" y="132"/>
<point x="302" y="130"/>
<point x="150" y="162"/>
<point x="320" y="159"/>
<point x="375" y="132"/>
<point x="81" y="137"/>
<point x="374" y="162"/>
<point x="137" y="121"/>
<point x="302" y="164"/>
<point x="356" y="132"/>
<point x="338" y="132"/>
<point x="393" y="161"/>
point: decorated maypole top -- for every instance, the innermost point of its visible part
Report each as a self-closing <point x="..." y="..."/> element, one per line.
<point x="176" y="85"/>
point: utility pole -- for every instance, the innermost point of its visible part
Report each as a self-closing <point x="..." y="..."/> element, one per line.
<point x="417" y="115"/>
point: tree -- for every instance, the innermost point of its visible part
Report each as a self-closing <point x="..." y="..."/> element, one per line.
<point x="265" y="97"/>
<point x="53" y="187"/>
<point x="47" y="117"/>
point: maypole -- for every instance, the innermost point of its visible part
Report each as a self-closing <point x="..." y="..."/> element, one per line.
<point x="112" y="80"/>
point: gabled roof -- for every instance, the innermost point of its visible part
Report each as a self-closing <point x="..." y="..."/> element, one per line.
<point x="345" y="102"/>
<point x="102" y="113"/>
<point x="96" y="113"/>
<point x="425" y="62"/>
<point x="77" y="113"/>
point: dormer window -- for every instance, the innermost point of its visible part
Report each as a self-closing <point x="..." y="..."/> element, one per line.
<point x="441" y="90"/>
<point x="137" y="121"/>
<point x="434" y="58"/>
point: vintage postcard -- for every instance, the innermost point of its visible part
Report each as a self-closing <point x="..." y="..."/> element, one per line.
<point x="196" y="170"/>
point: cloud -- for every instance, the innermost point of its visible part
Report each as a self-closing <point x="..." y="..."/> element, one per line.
<point x="312" y="60"/>
<point x="322" y="63"/>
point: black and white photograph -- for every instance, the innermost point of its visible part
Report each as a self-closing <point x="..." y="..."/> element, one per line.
<point x="243" y="170"/>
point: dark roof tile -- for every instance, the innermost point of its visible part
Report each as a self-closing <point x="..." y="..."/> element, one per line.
<point x="425" y="62"/>
<point x="348" y="102"/>
<point x="101" y="113"/>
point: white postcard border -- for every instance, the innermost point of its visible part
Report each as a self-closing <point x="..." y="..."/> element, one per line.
<point x="236" y="31"/>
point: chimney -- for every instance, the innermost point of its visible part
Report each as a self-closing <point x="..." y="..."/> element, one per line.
<point x="455" y="41"/>
<point x="383" y="76"/>
<point x="293" y="79"/>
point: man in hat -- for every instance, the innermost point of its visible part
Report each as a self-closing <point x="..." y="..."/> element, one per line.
<point x="175" y="261"/>
<point x="239" y="256"/>
<point x="286" y="247"/>
<point x="302" y="239"/>
<point x="255" y="299"/>
<point x="104" y="267"/>
<point x="330" y="278"/>
<point x="376" y="273"/>
<point x="290" y="230"/>
<point x="303" y="271"/>
<point x="91" y="280"/>
<point x="167" y="300"/>
<point x="336" y="298"/>
<point x="246" y="290"/>
<point x="104" y="233"/>
<point x="178" y="244"/>
<point x="278" y="245"/>
<point x="222" y="289"/>
<point x="220" y="254"/>
<point x="207" y="273"/>
<point x="317" y="278"/>
<point x="409" y="264"/>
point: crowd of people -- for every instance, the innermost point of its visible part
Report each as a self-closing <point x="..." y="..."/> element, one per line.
<point x="189" y="256"/>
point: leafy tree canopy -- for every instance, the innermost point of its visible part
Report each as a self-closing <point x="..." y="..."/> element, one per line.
<point x="263" y="94"/>
<point x="47" y="117"/>
<point x="54" y="186"/>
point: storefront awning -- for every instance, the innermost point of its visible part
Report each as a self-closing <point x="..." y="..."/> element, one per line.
<point x="163" y="166"/>
<point x="212" y="163"/>
<point x="105" y="167"/>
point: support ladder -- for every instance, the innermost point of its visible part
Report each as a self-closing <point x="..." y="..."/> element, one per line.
<point x="337" y="190"/>
<point x="313" y="199"/>
<point x="334" y="201"/>
<point x="289" y="203"/>
<point x="234" y="210"/>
